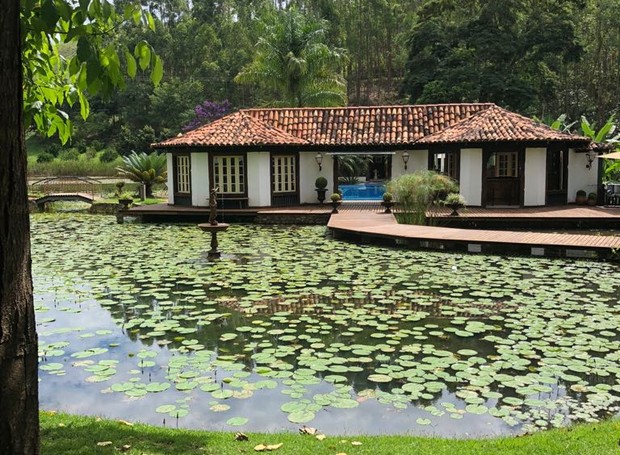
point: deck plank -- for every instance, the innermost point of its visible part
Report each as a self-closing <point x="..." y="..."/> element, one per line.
<point x="385" y="225"/>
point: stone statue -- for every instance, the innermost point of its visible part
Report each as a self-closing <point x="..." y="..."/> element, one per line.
<point x="213" y="206"/>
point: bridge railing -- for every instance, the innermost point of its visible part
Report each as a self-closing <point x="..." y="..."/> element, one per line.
<point x="68" y="184"/>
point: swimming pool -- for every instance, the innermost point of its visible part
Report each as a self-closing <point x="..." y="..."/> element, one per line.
<point x="362" y="191"/>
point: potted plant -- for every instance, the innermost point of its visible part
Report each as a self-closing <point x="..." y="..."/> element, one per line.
<point x="119" y="188"/>
<point x="321" y="188"/>
<point x="336" y="201"/>
<point x="454" y="201"/>
<point x="125" y="200"/>
<point x="387" y="202"/>
<point x="581" y="197"/>
<point x="592" y="197"/>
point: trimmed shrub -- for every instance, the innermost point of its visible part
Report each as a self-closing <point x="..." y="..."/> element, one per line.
<point x="108" y="155"/>
<point x="69" y="155"/>
<point x="45" y="157"/>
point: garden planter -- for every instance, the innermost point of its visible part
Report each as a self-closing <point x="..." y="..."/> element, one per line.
<point x="320" y="194"/>
<point x="125" y="203"/>
<point x="454" y="208"/>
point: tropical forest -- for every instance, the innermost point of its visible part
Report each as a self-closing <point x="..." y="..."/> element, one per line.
<point x="540" y="58"/>
<point x="176" y="278"/>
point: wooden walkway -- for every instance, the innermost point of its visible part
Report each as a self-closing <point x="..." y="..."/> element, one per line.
<point x="565" y="211"/>
<point x="384" y="226"/>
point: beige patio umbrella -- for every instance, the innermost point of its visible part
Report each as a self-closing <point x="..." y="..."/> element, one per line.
<point x="610" y="156"/>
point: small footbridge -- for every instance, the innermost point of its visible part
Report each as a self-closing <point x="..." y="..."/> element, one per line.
<point x="71" y="188"/>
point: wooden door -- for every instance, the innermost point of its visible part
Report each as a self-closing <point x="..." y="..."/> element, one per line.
<point x="503" y="182"/>
<point x="182" y="180"/>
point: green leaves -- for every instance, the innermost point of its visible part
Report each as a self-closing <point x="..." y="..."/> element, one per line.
<point x="96" y="68"/>
<point x="143" y="52"/>
<point x="158" y="71"/>
<point x="131" y="64"/>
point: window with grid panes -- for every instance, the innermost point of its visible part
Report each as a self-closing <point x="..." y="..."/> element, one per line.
<point x="183" y="174"/>
<point x="228" y="174"/>
<point x="507" y="164"/>
<point x="283" y="177"/>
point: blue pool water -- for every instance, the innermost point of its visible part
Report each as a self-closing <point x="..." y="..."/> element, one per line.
<point x="362" y="191"/>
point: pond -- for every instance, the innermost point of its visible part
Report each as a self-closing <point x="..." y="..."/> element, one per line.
<point x="291" y="327"/>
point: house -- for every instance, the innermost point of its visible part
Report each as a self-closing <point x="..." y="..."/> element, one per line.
<point x="272" y="157"/>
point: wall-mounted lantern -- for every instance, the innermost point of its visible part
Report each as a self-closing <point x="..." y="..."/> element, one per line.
<point x="590" y="155"/>
<point x="405" y="159"/>
<point x="319" y="160"/>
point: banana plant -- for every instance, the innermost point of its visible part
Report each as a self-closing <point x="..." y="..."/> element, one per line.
<point x="605" y="134"/>
<point x="146" y="169"/>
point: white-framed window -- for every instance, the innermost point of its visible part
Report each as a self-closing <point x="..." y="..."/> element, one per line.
<point x="283" y="174"/>
<point x="229" y="173"/>
<point x="507" y="164"/>
<point x="183" y="174"/>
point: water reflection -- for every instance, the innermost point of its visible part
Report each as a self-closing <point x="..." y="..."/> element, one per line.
<point x="353" y="341"/>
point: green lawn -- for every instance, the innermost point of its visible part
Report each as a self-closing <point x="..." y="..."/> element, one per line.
<point x="68" y="434"/>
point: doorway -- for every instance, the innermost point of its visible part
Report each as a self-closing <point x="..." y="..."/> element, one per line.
<point x="502" y="178"/>
<point x="362" y="176"/>
<point x="182" y="179"/>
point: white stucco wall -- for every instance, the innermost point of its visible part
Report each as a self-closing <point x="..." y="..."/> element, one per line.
<point x="170" y="182"/>
<point x="579" y="177"/>
<point x="535" y="176"/>
<point x="471" y="176"/>
<point x="418" y="160"/>
<point x="200" y="179"/>
<point x="308" y="173"/>
<point x="259" y="169"/>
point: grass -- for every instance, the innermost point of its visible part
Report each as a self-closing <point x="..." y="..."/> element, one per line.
<point x="69" y="435"/>
<point x="84" y="166"/>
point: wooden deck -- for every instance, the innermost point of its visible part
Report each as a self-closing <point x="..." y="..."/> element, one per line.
<point x="384" y="226"/>
<point x="566" y="212"/>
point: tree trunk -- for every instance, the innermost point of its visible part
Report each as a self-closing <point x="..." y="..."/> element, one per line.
<point x="19" y="406"/>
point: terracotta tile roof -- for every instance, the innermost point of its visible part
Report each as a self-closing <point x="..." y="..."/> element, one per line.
<point x="238" y="129"/>
<point x="496" y="125"/>
<point x="367" y="125"/>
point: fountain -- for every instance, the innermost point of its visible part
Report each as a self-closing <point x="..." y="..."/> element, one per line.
<point x="213" y="226"/>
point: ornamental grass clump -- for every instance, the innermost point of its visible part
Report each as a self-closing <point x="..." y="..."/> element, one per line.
<point x="415" y="193"/>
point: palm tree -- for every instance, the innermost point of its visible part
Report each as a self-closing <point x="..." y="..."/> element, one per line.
<point x="146" y="169"/>
<point x="293" y="59"/>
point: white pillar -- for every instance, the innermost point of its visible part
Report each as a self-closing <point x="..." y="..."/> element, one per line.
<point x="470" y="179"/>
<point x="535" y="176"/>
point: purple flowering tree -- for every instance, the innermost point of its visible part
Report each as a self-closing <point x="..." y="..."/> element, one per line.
<point x="207" y="112"/>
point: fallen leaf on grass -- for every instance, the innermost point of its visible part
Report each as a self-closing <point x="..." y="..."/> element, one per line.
<point x="104" y="443"/>
<point x="267" y="448"/>
<point x="320" y="437"/>
<point x="356" y="443"/>
<point x="124" y="422"/>
<point x="125" y="448"/>
<point x="308" y="430"/>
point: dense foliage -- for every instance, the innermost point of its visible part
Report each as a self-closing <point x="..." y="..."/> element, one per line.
<point x="540" y="58"/>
